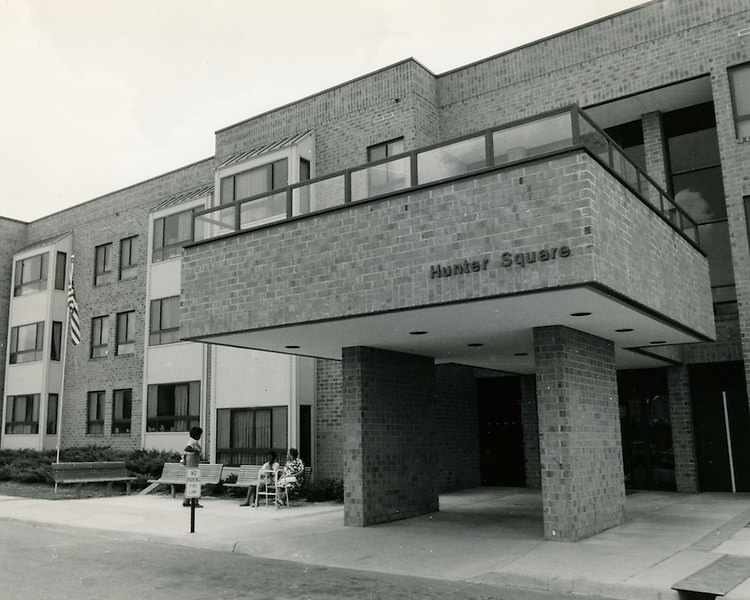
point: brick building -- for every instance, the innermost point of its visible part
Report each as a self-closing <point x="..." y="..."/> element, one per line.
<point x="531" y="270"/>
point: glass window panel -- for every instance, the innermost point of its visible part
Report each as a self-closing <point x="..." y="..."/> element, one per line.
<point x="319" y="195"/>
<point x="251" y="183"/>
<point x="263" y="210"/>
<point x="55" y="350"/>
<point x="279" y="427"/>
<point x="694" y="150"/>
<point x="743" y="128"/>
<point x="382" y="178"/>
<point x="739" y="78"/>
<point x="262" y="428"/>
<point x="280" y="174"/>
<point x="215" y="223"/>
<point x="529" y="139"/>
<point x="227" y="190"/>
<point x="715" y="242"/>
<point x="60" y="264"/>
<point x="52" y="414"/>
<point x="701" y="194"/>
<point x="223" y="427"/>
<point x="451" y="160"/>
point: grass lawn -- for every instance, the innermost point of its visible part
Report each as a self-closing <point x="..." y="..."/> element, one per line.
<point x="64" y="492"/>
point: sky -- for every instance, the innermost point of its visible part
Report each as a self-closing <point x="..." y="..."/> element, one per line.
<point x="98" y="95"/>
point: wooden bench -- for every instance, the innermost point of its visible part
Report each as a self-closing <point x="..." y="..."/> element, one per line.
<point x="246" y="476"/>
<point x="176" y="474"/>
<point x="91" y="472"/>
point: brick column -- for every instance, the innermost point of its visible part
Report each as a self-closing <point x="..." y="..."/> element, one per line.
<point x="653" y="141"/>
<point x="530" y="421"/>
<point x="583" y="489"/>
<point x="683" y="436"/>
<point x="389" y="436"/>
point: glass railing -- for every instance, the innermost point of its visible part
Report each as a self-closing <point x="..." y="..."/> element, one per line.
<point x="544" y="135"/>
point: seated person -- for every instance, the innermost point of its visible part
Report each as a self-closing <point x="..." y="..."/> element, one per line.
<point x="294" y="471"/>
<point x="271" y="464"/>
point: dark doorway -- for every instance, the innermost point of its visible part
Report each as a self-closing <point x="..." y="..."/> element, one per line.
<point x="709" y="384"/>
<point x="646" y="426"/>
<point x="500" y="432"/>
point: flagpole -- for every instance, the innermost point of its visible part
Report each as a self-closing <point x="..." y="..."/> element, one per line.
<point x="64" y="358"/>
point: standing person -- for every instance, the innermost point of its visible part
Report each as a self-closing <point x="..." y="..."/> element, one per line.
<point x="271" y="464"/>
<point x="193" y="449"/>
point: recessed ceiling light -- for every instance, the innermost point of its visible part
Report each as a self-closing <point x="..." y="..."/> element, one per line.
<point x="624" y="330"/>
<point x="475" y="345"/>
<point x="417" y="332"/>
<point x="658" y="342"/>
<point x="291" y="347"/>
<point x="580" y="314"/>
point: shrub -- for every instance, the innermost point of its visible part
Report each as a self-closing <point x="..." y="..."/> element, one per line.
<point x="325" y="490"/>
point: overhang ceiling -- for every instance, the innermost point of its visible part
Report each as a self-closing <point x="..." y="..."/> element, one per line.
<point x="492" y="334"/>
<point x="663" y="99"/>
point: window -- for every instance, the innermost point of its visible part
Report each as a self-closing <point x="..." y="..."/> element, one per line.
<point x="388" y="176"/>
<point x="22" y="414"/>
<point x="60" y="264"/>
<point x="170" y="234"/>
<point x="245" y="435"/>
<point x="173" y="406"/>
<point x="26" y="343"/>
<point x="56" y="346"/>
<point x="125" y="333"/>
<point x="95" y="418"/>
<point x="128" y="257"/>
<point x="121" y="411"/>
<point x="100" y="337"/>
<point x="739" y="83"/>
<point x="385" y="149"/>
<point x="305" y="169"/>
<point x="252" y="182"/>
<point x="52" y="401"/>
<point x="103" y="264"/>
<point x="629" y="136"/>
<point x="164" y="326"/>
<point x="31" y="275"/>
<point x="694" y="170"/>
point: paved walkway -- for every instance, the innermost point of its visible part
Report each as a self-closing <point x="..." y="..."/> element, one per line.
<point x="485" y="535"/>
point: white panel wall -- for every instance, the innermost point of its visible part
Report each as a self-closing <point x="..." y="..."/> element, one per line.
<point x="252" y="378"/>
<point x="25" y="378"/>
<point x="175" y="362"/>
<point x="165" y="278"/>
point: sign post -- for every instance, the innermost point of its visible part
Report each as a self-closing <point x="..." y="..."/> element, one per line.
<point x="192" y="491"/>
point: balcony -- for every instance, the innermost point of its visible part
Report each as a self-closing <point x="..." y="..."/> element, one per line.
<point x="543" y="136"/>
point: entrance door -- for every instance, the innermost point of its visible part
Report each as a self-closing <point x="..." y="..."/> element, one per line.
<point x="500" y="432"/>
<point x="708" y="385"/>
<point x="646" y="426"/>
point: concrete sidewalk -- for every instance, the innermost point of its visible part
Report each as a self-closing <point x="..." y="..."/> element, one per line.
<point x="486" y="535"/>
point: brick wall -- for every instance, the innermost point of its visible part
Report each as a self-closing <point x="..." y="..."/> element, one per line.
<point x="683" y="436"/>
<point x="329" y="438"/>
<point x="583" y="490"/>
<point x="457" y="428"/>
<point x="389" y="436"/>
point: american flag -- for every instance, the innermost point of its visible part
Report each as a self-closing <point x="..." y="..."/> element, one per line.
<point x="74" y="322"/>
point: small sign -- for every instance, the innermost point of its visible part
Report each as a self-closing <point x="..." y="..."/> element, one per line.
<point x="193" y="483"/>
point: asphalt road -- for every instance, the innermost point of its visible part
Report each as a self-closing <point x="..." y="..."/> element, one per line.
<point x="45" y="563"/>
